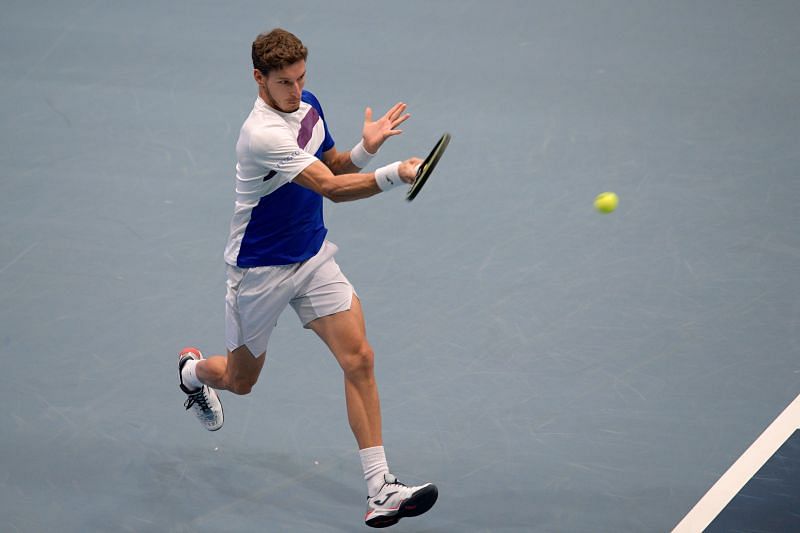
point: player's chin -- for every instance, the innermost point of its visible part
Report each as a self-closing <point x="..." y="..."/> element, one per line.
<point x="287" y="106"/>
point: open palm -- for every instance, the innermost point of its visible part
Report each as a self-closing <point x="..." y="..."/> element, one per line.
<point x="376" y="132"/>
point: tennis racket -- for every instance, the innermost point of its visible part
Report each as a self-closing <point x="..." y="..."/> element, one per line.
<point x="427" y="166"/>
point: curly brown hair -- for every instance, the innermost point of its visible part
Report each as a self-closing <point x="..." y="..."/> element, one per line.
<point x="277" y="49"/>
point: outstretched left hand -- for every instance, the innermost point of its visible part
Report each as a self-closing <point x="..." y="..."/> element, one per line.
<point x="375" y="133"/>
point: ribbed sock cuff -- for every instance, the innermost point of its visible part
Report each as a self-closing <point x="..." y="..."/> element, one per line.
<point x="373" y="461"/>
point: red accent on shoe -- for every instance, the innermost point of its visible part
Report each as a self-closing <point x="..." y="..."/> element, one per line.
<point x="191" y="349"/>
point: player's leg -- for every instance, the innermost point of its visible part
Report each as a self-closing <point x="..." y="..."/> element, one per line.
<point x="237" y="372"/>
<point x="199" y="377"/>
<point x="326" y="303"/>
<point x="388" y="499"/>
<point x="345" y="335"/>
<point x="254" y="300"/>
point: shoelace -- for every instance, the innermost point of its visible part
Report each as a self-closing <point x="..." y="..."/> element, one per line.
<point x="395" y="482"/>
<point x="198" y="398"/>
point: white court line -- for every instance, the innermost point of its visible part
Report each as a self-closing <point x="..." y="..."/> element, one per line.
<point x="742" y="471"/>
<point x="20" y="256"/>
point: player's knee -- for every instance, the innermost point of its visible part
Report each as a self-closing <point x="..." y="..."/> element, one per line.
<point x="242" y="387"/>
<point x="242" y="371"/>
<point x="360" y="362"/>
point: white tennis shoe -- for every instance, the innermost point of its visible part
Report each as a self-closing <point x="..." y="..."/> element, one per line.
<point x="395" y="501"/>
<point x="203" y="401"/>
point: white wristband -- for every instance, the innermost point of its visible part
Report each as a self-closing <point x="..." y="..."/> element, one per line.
<point x="388" y="177"/>
<point x="359" y="155"/>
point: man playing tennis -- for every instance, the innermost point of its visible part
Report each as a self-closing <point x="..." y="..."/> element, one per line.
<point x="277" y="255"/>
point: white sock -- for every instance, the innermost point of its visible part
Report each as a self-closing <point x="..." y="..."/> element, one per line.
<point x="189" y="375"/>
<point x="373" y="461"/>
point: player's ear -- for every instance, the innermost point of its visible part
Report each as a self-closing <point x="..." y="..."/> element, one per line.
<point x="259" y="77"/>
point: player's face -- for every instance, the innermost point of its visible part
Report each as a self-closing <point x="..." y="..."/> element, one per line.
<point x="282" y="88"/>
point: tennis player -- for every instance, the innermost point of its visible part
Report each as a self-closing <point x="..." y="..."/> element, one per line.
<point x="277" y="255"/>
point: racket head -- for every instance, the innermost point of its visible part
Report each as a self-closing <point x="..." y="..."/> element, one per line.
<point x="427" y="166"/>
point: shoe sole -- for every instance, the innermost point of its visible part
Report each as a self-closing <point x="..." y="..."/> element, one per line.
<point x="419" y="503"/>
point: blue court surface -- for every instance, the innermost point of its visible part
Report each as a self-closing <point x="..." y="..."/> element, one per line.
<point x="550" y="368"/>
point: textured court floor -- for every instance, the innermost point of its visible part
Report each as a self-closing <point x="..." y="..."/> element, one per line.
<point x="550" y="368"/>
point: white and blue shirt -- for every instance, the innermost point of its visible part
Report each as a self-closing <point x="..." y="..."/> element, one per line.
<point x="275" y="221"/>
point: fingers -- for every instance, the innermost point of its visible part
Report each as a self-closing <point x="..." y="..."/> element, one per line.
<point x="394" y="117"/>
<point x="395" y="114"/>
<point x="396" y="110"/>
<point x="400" y="120"/>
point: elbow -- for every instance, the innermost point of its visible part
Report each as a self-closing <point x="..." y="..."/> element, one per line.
<point x="332" y="193"/>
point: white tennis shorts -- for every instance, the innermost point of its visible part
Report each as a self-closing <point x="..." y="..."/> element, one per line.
<point x="257" y="296"/>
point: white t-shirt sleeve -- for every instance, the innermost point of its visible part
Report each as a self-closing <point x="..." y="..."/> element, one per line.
<point x="275" y="149"/>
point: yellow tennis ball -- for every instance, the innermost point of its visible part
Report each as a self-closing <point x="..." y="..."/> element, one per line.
<point x="606" y="202"/>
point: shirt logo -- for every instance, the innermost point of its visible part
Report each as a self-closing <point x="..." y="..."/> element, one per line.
<point x="288" y="159"/>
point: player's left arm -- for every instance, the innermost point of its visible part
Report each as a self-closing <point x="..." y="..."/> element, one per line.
<point x="339" y="162"/>
<point x="373" y="135"/>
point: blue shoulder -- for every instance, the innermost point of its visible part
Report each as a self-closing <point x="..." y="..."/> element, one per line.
<point x="309" y="98"/>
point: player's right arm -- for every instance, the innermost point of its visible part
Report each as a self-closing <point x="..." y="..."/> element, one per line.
<point x="346" y="187"/>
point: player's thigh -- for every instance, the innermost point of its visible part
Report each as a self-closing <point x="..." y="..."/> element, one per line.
<point x="343" y="332"/>
<point x="327" y="304"/>
<point x="322" y="288"/>
<point x="243" y="365"/>
<point x="255" y="299"/>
